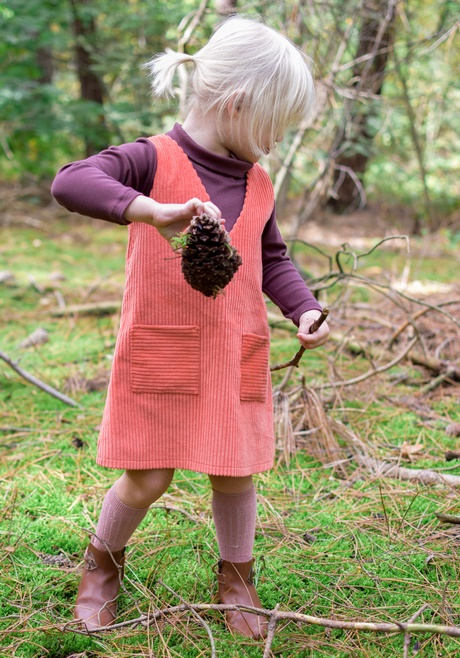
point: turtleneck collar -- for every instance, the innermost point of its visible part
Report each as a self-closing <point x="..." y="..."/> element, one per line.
<point x="225" y="165"/>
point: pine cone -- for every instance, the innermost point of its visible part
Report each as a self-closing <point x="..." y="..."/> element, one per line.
<point x="208" y="259"/>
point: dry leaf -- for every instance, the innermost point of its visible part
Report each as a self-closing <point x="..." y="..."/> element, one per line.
<point x="37" y="337"/>
<point x="407" y="450"/>
<point x="453" y="429"/>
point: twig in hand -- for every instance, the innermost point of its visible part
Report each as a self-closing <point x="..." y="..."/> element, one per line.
<point x="37" y="382"/>
<point x="296" y="359"/>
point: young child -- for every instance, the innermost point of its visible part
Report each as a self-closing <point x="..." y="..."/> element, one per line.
<point x="190" y="384"/>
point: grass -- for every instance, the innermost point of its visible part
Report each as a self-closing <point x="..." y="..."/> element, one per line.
<point x="361" y="548"/>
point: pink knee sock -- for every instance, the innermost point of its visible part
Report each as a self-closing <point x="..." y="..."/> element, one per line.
<point x="117" y="522"/>
<point x="235" y="520"/>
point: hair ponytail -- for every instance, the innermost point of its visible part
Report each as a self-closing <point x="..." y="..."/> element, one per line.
<point x="162" y="69"/>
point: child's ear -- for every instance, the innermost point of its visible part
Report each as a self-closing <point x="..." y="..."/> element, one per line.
<point x="235" y="105"/>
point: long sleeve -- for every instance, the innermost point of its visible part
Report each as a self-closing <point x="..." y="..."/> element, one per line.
<point x="282" y="282"/>
<point x="104" y="185"/>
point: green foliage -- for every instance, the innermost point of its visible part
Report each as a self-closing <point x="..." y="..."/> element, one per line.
<point x="45" y="123"/>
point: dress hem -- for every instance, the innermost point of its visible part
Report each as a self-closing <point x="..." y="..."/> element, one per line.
<point x="187" y="466"/>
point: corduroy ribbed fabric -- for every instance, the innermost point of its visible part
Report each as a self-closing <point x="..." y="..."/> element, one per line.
<point x="235" y="522"/>
<point x="190" y="385"/>
<point x="116" y="523"/>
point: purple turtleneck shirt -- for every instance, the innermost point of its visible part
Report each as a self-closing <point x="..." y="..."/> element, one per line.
<point x="104" y="185"/>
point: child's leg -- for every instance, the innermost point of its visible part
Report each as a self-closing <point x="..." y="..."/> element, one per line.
<point x="126" y="504"/>
<point x="234" y="511"/>
<point x="124" y="507"/>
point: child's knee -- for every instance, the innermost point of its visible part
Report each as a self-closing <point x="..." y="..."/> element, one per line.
<point x="146" y="486"/>
<point x="230" y="485"/>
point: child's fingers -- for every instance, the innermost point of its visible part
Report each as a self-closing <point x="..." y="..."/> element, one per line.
<point x="212" y="210"/>
<point x="311" y="341"/>
<point x="197" y="207"/>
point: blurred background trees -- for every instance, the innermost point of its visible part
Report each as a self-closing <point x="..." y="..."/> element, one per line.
<point x="386" y="128"/>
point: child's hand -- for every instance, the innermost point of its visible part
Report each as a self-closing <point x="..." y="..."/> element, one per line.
<point x="318" y="338"/>
<point x="168" y="218"/>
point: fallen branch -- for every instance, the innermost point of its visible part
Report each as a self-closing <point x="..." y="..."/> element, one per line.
<point x="443" y="369"/>
<point x="448" y="518"/>
<point x="407" y="635"/>
<point x="199" y="619"/>
<point x="373" y="372"/>
<point x="274" y="616"/>
<point x="415" y="316"/>
<point x="99" y="308"/>
<point x="426" y="476"/>
<point x="38" y="383"/>
<point x="270" y="633"/>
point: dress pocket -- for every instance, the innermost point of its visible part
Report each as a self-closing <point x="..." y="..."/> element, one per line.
<point x="165" y="359"/>
<point x="254" y="368"/>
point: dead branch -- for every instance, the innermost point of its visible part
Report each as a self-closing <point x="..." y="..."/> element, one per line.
<point x="38" y="383"/>
<point x="199" y="619"/>
<point x="444" y="369"/>
<point x="99" y="308"/>
<point x="407" y="635"/>
<point x="380" y="468"/>
<point x="276" y="615"/>
<point x="398" y="293"/>
<point x="374" y="371"/>
<point x="415" y="316"/>
<point x="425" y="476"/>
<point x="344" y="171"/>
<point x="174" y="508"/>
<point x="448" y="518"/>
<point x="270" y="633"/>
<point x="186" y="29"/>
<point x="322" y="93"/>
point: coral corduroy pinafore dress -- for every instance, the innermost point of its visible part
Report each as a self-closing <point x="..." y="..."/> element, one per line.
<point x="190" y="384"/>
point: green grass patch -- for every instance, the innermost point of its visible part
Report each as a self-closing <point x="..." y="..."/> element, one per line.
<point x="360" y="548"/>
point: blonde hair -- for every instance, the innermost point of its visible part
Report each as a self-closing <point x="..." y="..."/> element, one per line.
<point x="250" y="65"/>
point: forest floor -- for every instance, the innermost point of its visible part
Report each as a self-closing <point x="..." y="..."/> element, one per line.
<point x="353" y="519"/>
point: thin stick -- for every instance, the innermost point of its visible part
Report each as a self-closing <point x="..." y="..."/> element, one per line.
<point x="296" y="359"/>
<point x="37" y="382"/>
<point x="271" y="633"/>
<point x="373" y="372"/>
<point x="448" y="518"/>
<point x="407" y="635"/>
<point x="278" y="615"/>
<point x="199" y="619"/>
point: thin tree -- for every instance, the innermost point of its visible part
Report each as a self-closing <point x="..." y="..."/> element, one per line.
<point x="91" y="85"/>
<point x="353" y="143"/>
<point x="226" y="7"/>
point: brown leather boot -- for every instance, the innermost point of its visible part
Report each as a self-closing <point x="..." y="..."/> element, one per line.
<point x="96" y="603"/>
<point x="236" y="587"/>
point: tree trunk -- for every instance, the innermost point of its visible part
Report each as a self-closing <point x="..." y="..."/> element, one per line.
<point x="226" y="7"/>
<point x="91" y="85"/>
<point x="45" y="62"/>
<point x="354" y="137"/>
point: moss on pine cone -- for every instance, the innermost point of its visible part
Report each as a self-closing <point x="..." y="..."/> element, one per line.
<point x="208" y="259"/>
